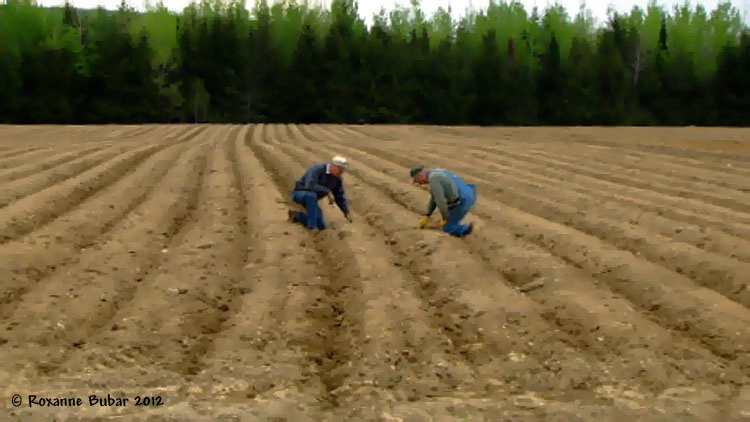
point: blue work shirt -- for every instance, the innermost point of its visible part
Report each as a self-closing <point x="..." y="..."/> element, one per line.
<point x="318" y="178"/>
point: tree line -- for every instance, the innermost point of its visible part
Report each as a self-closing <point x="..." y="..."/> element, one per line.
<point x="287" y="62"/>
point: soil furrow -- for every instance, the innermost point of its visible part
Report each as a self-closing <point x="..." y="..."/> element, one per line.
<point x="469" y="315"/>
<point x="213" y="244"/>
<point x="639" y="199"/>
<point x="19" y="158"/>
<point x="13" y="152"/>
<point x="51" y="145"/>
<point x="715" y="271"/>
<point x="280" y="292"/>
<point x="189" y="132"/>
<point x="699" y="236"/>
<point x="9" y="133"/>
<point x="741" y="159"/>
<point x="714" y="241"/>
<point x="551" y="142"/>
<point x="178" y="132"/>
<point x="288" y="128"/>
<point x="676" y="300"/>
<point x="13" y="191"/>
<point x="240" y="188"/>
<point x="10" y="156"/>
<point x="47" y="135"/>
<point x="669" y="172"/>
<point x="669" y="207"/>
<point x="341" y="333"/>
<point x="77" y="299"/>
<point x="519" y="361"/>
<point x="576" y="297"/>
<point x="380" y="342"/>
<point x="705" y="145"/>
<point x="614" y="152"/>
<point x="160" y="134"/>
<point x="735" y="207"/>
<point x="22" y="216"/>
<point x="194" y="278"/>
<point x="150" y="133"/>
<point x="106" y="132"/>
<point x="53" y="161"/>
<point x="36" y="255"/>
<point x="612" y="324"/>
<point x="635" y="166"/>
<point x="725" y="168"/>
<point x="392" y="294"/>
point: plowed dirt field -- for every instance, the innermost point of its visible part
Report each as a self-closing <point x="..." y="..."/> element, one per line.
<point x="157" y="261"/>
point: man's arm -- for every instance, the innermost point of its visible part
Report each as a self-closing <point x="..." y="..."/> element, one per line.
<point x="438" y="196"/>
<point x="430" y="206"/>
<point x="340" y="197"/>
<point x="312" y="175"/>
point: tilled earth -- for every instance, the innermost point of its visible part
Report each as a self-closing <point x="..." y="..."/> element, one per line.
<point x="606" y="278"/>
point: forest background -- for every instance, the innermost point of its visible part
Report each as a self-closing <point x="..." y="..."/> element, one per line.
<point x="227" y="62"/>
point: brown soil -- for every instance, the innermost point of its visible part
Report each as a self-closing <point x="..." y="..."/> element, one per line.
<point x="157" y="261"/>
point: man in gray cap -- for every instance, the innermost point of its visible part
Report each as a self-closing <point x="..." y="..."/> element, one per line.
<point x="448" y="193"/>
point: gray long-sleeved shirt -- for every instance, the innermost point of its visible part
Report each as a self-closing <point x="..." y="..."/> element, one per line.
<point x="442" y="191"/>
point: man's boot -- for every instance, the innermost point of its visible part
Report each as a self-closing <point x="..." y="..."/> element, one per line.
<point x="292" y="216"/>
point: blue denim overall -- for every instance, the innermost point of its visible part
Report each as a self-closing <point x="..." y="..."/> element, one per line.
<point x="313" y="217"/>
<point x="468" y="197"/>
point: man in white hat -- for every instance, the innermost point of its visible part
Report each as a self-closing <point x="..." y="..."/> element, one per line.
<point x="318" y="181"/>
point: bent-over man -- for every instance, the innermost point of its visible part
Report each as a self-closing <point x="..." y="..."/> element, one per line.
<point x="448" y="193"/>
<point x="318" y="181"/>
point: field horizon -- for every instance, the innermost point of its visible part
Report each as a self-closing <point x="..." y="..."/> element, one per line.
<point x="606" y="278"/>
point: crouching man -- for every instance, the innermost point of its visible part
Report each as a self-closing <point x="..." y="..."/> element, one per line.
<point x="448" y="193"/>
<point x="320" y="180"/>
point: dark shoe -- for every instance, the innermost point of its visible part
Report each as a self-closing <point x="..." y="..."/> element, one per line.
<point x="292" y="216"/>
<point x="469" y="229"/>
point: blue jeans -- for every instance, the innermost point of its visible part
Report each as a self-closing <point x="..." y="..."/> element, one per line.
<point x="457" y="213"/>
<point x="313" y="218"/>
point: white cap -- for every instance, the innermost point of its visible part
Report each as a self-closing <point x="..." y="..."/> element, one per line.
<point x="340" y="161"/>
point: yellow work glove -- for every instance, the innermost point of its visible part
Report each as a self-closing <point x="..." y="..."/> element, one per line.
<point x="424" y="221"/>
<point x="442" y="223"/>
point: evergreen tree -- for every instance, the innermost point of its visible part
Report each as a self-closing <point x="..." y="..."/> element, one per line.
<point x="218" y="62"/>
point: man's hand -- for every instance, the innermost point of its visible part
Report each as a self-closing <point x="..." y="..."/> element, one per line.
<point x="330" y="198"/>
<point x="348" y="217"/>
<point x="424" y="221"/>
<point x="442" y="223"/>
